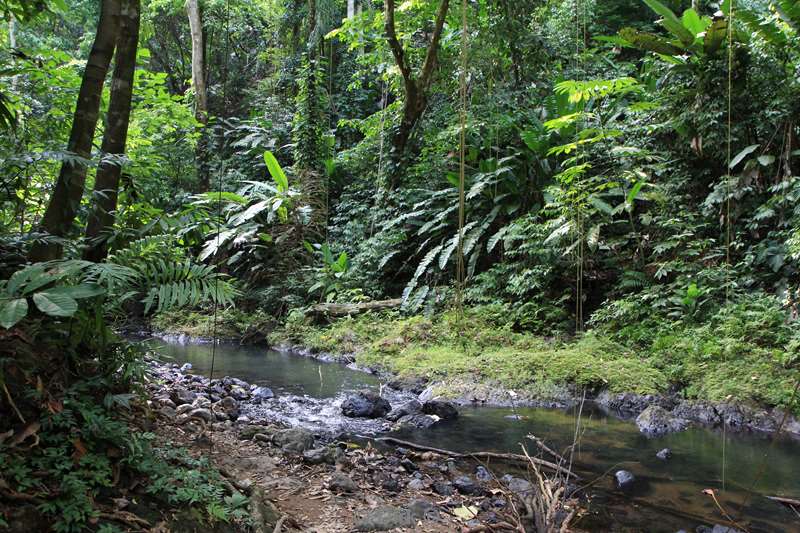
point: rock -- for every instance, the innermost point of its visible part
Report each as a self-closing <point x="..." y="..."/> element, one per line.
<point x="416" y="484"/>
<point x="242" y="420"/>
<point x="656" y="421"/>
<point x="409" y="465"/>
<point x="412" y="407"/>
<point x="444" y="410"/>
<point x="732" y="415"/>
<point x="427" y="395"/>
<point x="698" y="411"/>
<point x="390" y="484"/>
<point x="183" y="409"/>
<point x="384" y="518"/>
<point x="166" y="402"/>
<point x="182" y="396"/>
<point x="418" y="421"/>
<point x="365" y="404"/>
<point x="624" y="480"/>
<point x="203" y="414"/>
<point x="201" y="402"/>
<point x="317" y="456"/>
<point x="186" y="367"/>
<point x="168" y="412"/>
<point x="342" y="483"/>
<point x="517" y="485"/>
<point x="294" y="440"/>
<point x="226" y="409"/>
<point x="628" y="402"/>
<point x="725" y="529"/>
<point x="423" y="510"/>
<point x="249" y="431"/>
<point x="413" y="384"/>
<point x="466" y="485"/>
<point x="664" y="454"/>
<point x="259" y="394"/>
<point x="239" y="393"/>
<point x="443" y="488"/>
<point x="482" y="474"/>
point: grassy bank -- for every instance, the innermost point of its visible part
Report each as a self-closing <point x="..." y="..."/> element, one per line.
<point x="745" y="353"/>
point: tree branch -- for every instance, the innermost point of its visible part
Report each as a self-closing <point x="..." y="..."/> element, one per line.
<point x="433" y="48"/>
<point x="397" y="48"/>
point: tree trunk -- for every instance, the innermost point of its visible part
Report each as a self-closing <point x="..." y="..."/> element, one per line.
<point x="200" y="90"/>
<point x="351" y="8"/>
<point x="106" y="184"/>
<point x="415" y="88"/>
<point x="66" y="197"/>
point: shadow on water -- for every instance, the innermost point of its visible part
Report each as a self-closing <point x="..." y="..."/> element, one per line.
<point x="668" y="496"/>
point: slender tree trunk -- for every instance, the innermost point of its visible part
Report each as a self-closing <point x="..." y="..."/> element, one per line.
<point x="12" y="45"/>
<point x="351" y="8"/>
<point x="106" y="184"/>
<point x="200" y="89"/>
<point x="66" y="197"/>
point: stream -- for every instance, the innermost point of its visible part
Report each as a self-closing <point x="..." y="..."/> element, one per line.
<point x="668" y="495"/>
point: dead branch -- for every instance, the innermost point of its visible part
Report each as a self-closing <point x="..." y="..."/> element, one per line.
<point x="480" y="455"/>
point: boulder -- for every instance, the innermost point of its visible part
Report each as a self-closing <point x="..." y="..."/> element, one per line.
<point x="226" y="409"/>
<point x="316" y="456"/>
<point x="186" y="367"/>
<point x="624" y="480"/>
<point x="239" y="393"/>
<point x="365" y="404"/>
<point x="182" y="396"/>
<point x="203" y="414"/>
<point x="698" y="411"/>
<point x="412" y="407"/>
<point x="259" y="394"/>
<point x="444" y="410"/>
<point x="294" y="440"/>
<point x="656" y="421"/>
<point x="418" y="421"/>
<point x="183" y="409"/>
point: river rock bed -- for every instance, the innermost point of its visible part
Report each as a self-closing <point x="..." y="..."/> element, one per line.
<point x="324" y="480"/>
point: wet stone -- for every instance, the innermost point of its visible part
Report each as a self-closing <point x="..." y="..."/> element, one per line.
<point x="624" y="480"/>
<point x="365" y="404"/>
<point x="664" y="454"/>
<point x="444" y="410"/>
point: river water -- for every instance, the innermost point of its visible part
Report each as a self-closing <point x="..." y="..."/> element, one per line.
<point x="668" y="495"/>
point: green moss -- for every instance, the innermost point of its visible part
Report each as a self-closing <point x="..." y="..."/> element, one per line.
<point x="726" y="358"/>
<point x="232" y="323"/>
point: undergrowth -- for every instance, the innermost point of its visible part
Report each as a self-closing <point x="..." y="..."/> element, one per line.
<point x="73" y="440"/>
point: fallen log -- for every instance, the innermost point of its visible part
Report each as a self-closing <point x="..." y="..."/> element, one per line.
<point x="515" y="457"/>
<point x="340" y="310"/>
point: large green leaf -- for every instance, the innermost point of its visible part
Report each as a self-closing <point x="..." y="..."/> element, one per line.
<point x="84" y="290"/>
<point x="12" y="311"/>
<point x="671" y="22"/>
<point x="715" y="36"/>
<point x="276" y="172"/>
<point x="694" y="22"/>
<point x="650" y="42"/>
<point x="55" y="304"/>
<point x="741" y="155"/>
<point x="789" y="11"/>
